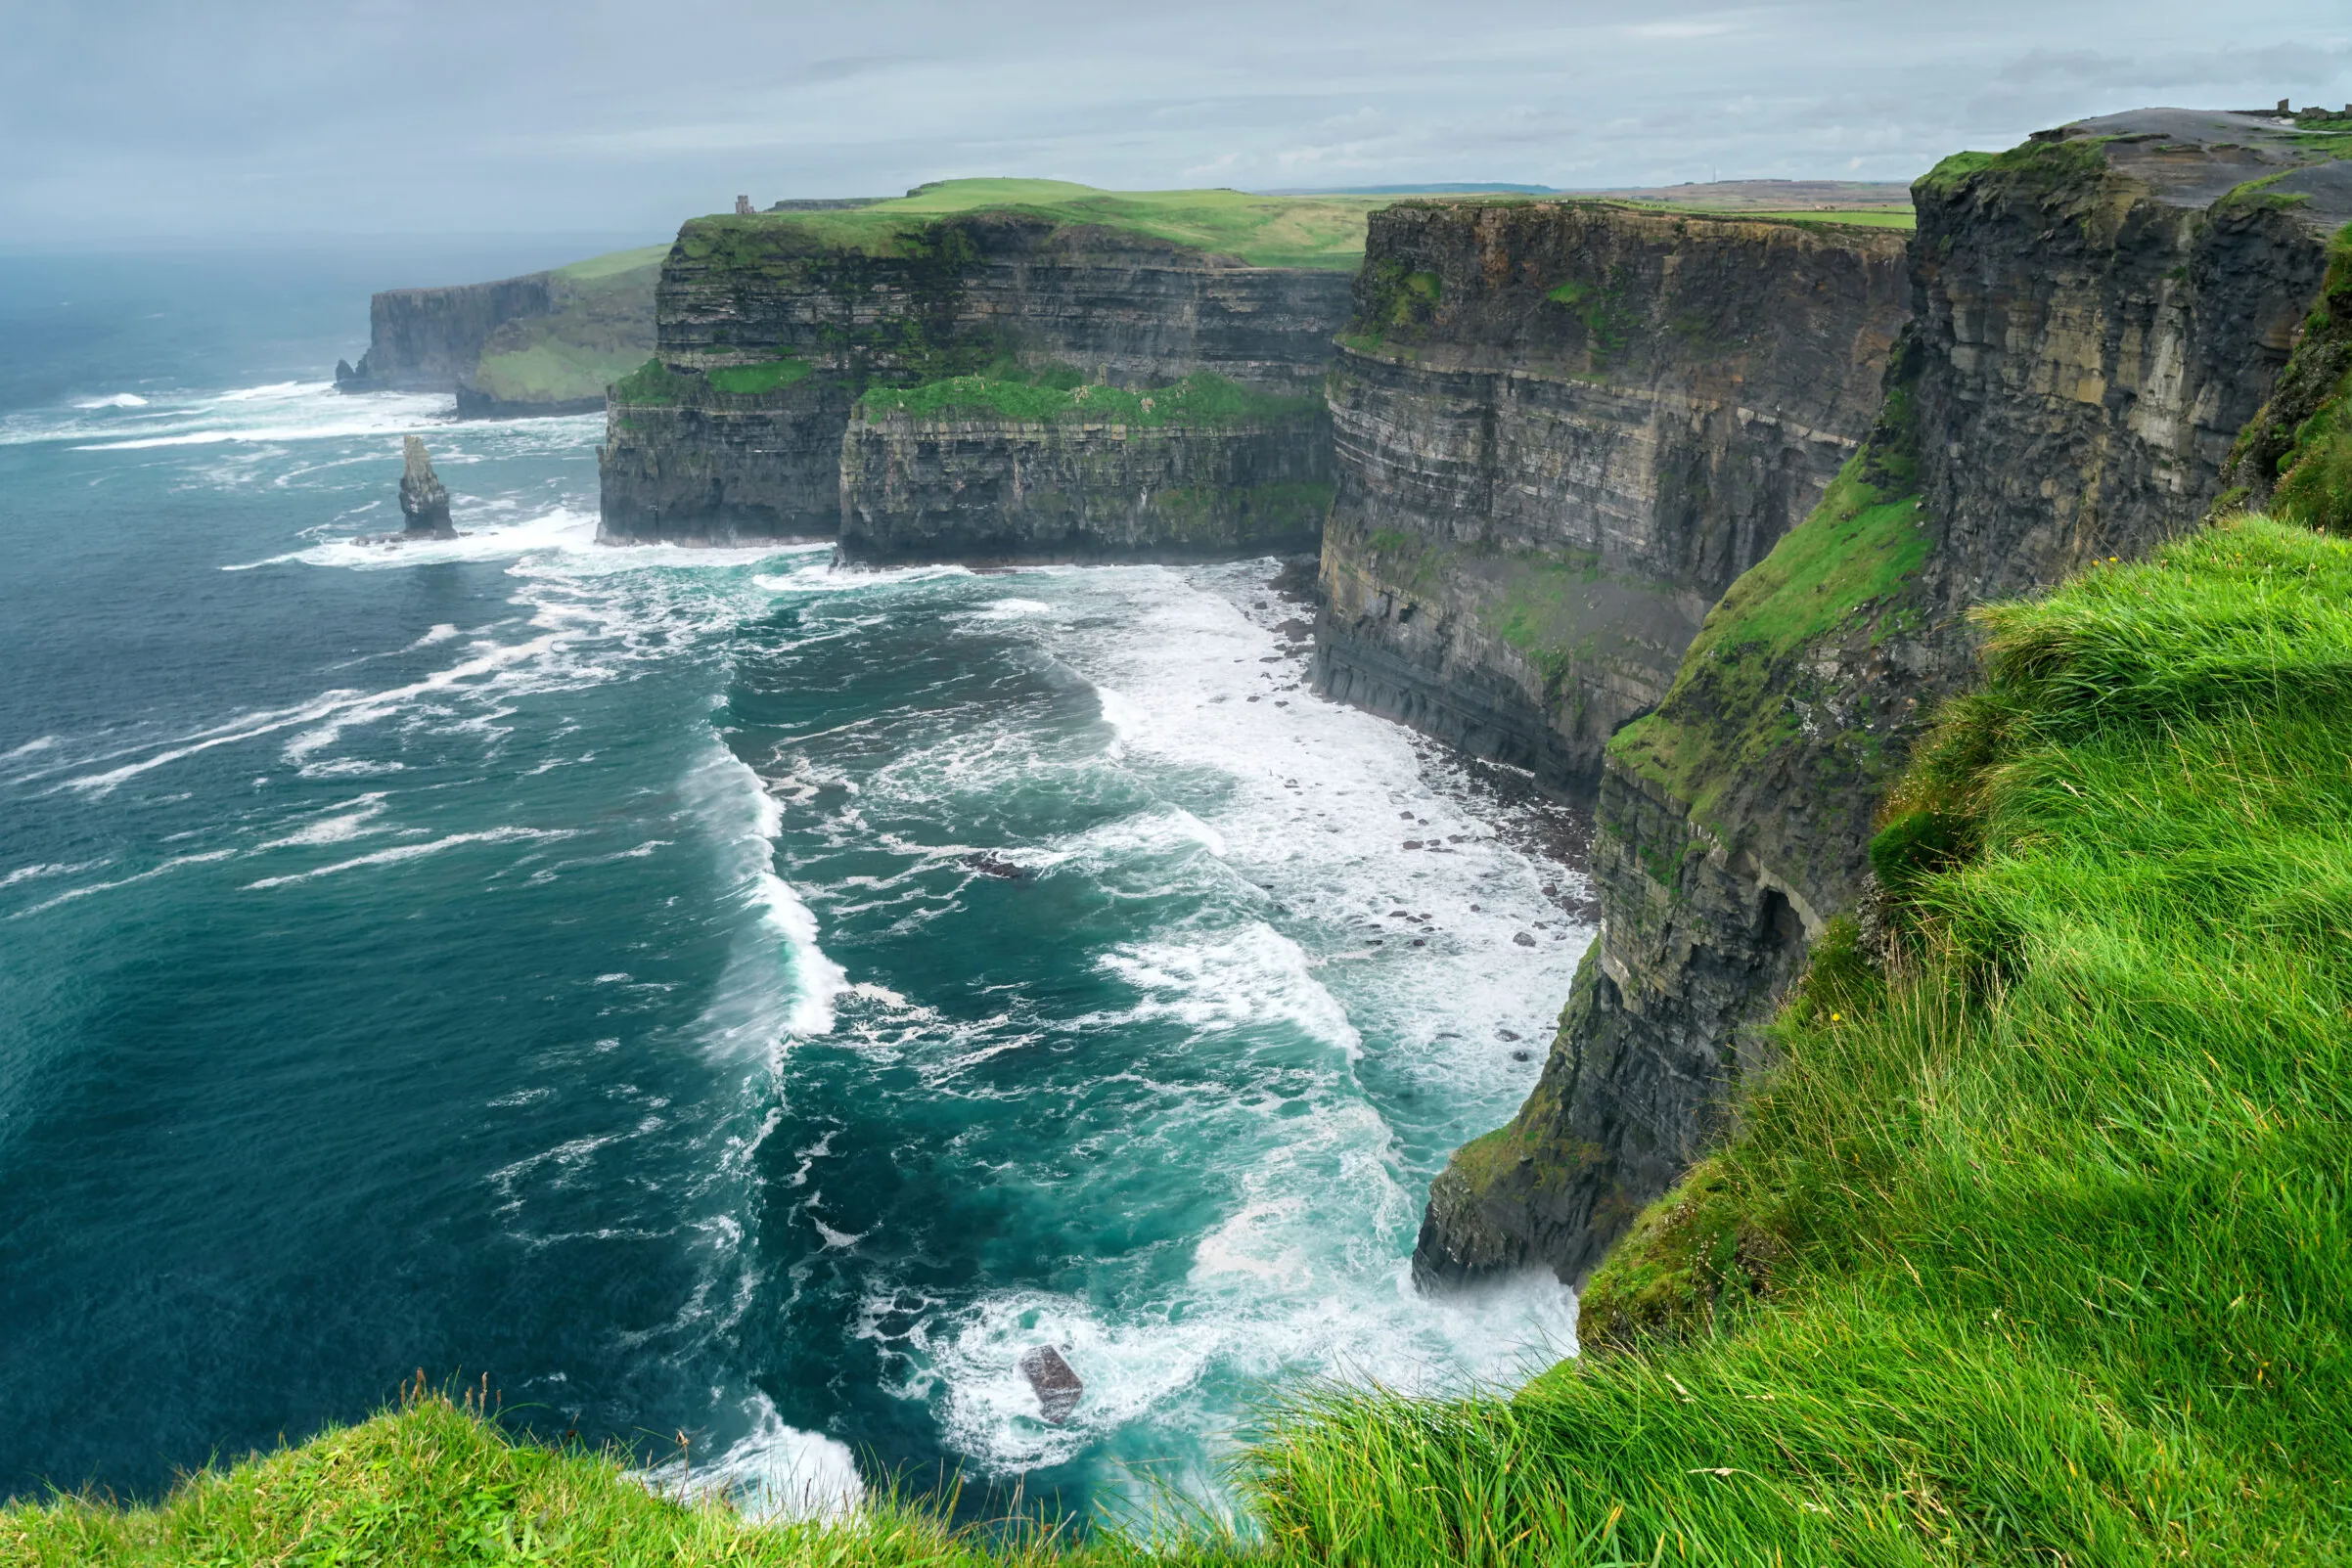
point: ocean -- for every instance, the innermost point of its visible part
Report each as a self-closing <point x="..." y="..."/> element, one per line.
<point x="721" y="998"/>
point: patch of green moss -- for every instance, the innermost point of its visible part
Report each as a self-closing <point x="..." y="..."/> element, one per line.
<point x="1392" y="296"/>
<point x="1847" y="563"/>
<point x="750" y="381"/>
<point x="2258" y="193"/>
<point x="653" y="385"/>
<point x="2295" y="456"/>
<point x="1056" y="394"/>
<point x="1211" y="515"/>
<point x="2038" y="167"/>
<point x="1687" y="1256"/>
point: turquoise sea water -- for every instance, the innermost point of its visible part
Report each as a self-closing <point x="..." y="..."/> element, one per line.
<point x="595" y="967"/>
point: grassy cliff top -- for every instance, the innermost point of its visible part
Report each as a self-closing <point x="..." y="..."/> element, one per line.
<point x="1265" y="231"/>
<point x="614" y="263"/>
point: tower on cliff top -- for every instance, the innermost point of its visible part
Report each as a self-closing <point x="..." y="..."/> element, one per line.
<point x="742" y="206"/>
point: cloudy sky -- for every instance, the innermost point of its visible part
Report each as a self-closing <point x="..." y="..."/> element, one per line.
<point x="147" y="118"/>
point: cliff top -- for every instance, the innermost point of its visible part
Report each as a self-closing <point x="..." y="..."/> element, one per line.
<point x="2195" y="158"/>
<point x="614" y="263"/>
<point x="1263" y="231"/>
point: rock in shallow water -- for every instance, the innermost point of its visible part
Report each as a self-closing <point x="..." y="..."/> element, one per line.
<point x="424" y="500"/>
<point x="1057" y="1387"/>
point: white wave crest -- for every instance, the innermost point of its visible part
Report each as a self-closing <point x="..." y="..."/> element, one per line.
<point x="406" y="852"/>
<point x="754" y="1006"/>
<point x="773" y="1472"/>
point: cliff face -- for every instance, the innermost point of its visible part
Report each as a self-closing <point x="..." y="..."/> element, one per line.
<point x="429" y="340"/>
<point x="2095" y="317"/>
<point x="548" y="342"/>
<point x="801" y="321"/>
<point x="1561" y="432"/>
<point x="993" y="491"/>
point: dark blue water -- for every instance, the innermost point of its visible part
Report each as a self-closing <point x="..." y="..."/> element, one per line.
<point x="591" y="967"/>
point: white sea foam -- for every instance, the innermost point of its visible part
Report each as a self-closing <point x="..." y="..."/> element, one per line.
<point x="282" y="413"/>
<point x="1240" y="976"/>
<point x="1302" y="916"/>
<point x="756" y="1007"/>
<point x="407" y="852"/>
<point x="771" y="1472"/>
<point x="118" y="400"/>
<point x="336" y="826"/>
<point x="150" y="875"/>
<point x="29" y="874"/>
<point x="562" y="528"/>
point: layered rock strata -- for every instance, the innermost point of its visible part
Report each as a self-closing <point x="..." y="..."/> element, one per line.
<point x="1561" y="430"/>
<point x="771" y="327"/>
<point x="2095" y="317"/>
<point x="992" y="491"/>
<point x="423" y="499"/>
<point x="544" y="343"/>
<point x="429" y="340"/>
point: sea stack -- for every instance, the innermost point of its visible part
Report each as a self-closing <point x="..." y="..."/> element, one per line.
<point x="424" y="501"/>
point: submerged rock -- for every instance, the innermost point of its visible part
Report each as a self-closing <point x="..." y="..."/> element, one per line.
<point x="996" y="866"/>
<point x="1057" y="1387"/>
<point x="424" y="501"/>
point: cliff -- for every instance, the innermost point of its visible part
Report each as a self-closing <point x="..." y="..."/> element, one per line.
<point x="2096" y="316"/>
<point x="771" y="327"/>
<point x="976" y="485"/>
<point x="1562" y="430"/>
<point x="423" y="499"/>
<point x="547" y="342"/>
<point x="427" y="340"/>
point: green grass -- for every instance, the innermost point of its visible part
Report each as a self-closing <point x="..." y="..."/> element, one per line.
<point x="1847" y="561"/>
<point x="2038" y="170"/>
<point x="601" y="329"/>
<point x="614" y="264"/>
<point x="433" y="1483"/>
<point x="2038" y="1250"/>
<point x="1266" y="231"/>
<point x="1831" y="217"/>
<point x="1060" y="394"/>
<point x="750" y="380"/>
<point x="654" y="384"/>
<point x="552" y="370"/>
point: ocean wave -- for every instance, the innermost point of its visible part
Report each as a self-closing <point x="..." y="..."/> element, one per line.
<point x="562" y="528"/>
<point x="164" y="870"/>
<point x="407" y="852"/>
<point x="771" y="1474"/>
<point x="757" y="1005"/>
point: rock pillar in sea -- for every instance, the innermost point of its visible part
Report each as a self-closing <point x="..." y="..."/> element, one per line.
<point x="424" y="500"/>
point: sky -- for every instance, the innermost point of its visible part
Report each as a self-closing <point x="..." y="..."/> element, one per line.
<point x="137" y="121"/>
